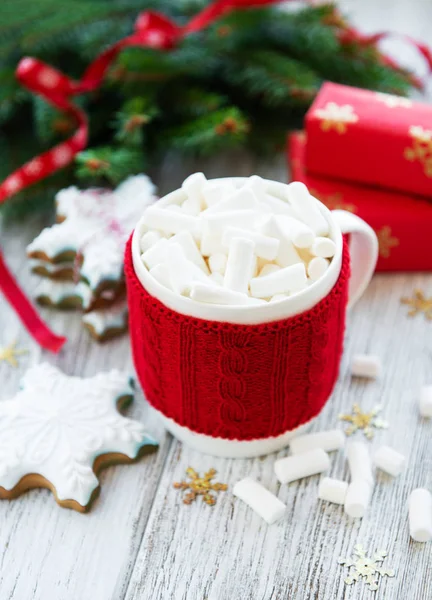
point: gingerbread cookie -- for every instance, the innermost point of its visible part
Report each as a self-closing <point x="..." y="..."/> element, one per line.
<point x="94" y="226"/>
<point x="107" y="323"/>
<point x="58" y="271"/>
<point x="58" y="432"/>
<point x="69" y="295"/>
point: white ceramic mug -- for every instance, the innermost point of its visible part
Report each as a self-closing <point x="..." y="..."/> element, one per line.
<point x="363" y="252"/>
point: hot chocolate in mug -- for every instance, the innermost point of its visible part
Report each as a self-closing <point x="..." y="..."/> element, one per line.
<point x="241" y="381"/>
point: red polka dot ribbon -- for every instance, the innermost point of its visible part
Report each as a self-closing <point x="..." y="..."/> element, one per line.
<point x="152" y="30"/>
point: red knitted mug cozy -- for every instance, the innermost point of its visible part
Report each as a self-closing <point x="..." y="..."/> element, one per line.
<point x="232" y="381"/>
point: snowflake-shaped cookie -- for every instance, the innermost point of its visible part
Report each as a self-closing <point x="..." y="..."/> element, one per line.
<point x="95" y="225"/>
<point x="58" y="431"/>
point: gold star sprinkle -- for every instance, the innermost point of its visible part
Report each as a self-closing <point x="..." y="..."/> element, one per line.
<point x="9" y="354"/>
<point x="367" y="568"/>
<point x="386" y="241"/>
<point x="419" y="304"/>
<point x="365" y="422"/>
<point x="200" y="486"/>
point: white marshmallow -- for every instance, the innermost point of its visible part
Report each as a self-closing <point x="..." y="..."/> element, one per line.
<point x="215" y="191"/>
<point x="239" y="265"/>
<point x="217" y="262"/>
<point x="285" y="280"/>
<point x="242" y="199"/>
<point x="190" y="249"/>
<point x="265" y="246"/>
<point x="155" y="254"/>
<point x="191" y="207"/>
<point x="420" y="515"/>
<point x="216" y="278"/>
<point x="360" y="463"/>
<point x="161" y="274"/>
<point x="317" y="267"/>
<point x="425" y="403"/>
<point x="174" y="208"/>
<point x="327" y="440"/>
<point x="295" y="230"/>
<point x="278" y="297"/>
<point x="366" y="365"/>
<point x="149" y="239"/>
<point x="263" y="502"/>
<point x="277" y="206"/>
<point x="216" y="222"/>
<point x="193" y="186"/>
<point x="357" y="498"/>
<point x="301" y="465"/>
<point x="268" y="269"/>
<point x="323" y="247"/>
<point x="211" y="243"/>
<point x="182" y="272"/>
<point x="171" y="222"/>
<point x="390" y="461"/>
<point x="287" y="254"/>
<point x="332" y="490"/>
<point x="307" y="207"/>
<point x="212" y="294"/>
<point x="257" y="185"/>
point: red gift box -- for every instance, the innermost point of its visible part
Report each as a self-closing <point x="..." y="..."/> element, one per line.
<point x="403" y="223"/>
<point x="372" y="138"/>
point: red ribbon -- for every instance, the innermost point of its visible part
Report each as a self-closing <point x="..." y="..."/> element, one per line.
<point x="152" y="30"/>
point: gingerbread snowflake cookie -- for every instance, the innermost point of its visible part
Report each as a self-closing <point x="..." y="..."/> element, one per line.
<point x="58" y="432"/>
<point x="92" y="229"/>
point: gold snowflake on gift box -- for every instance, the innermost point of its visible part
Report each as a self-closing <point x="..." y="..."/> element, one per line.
<point x="393" y="101"/>
<point x="386" y="241"/>
<point x="200" y="486"/>
<point x="363" y="421"/>
<point x="334" y="201"/>
<point x="421" y="148"/>
<point x="419" y="304"/>
<point x="335" y="116"/>
<point x="368" y="569"/>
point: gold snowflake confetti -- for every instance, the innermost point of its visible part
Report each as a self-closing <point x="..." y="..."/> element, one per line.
<point x="419" y="304"/>
<point x="386" y="241"/>
<point x="9" y="354"/>
<point x="334" y="116"/>
<point x="367" y="568"/>
<point x="364" y="421"/>
<point x="393" y="101"/>
<point x="421" y="148"/>
<point x="200" y="486"/>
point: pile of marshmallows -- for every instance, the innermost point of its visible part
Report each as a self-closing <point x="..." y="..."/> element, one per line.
<point x="309" y="457"/>
<point x="237" y="245"/>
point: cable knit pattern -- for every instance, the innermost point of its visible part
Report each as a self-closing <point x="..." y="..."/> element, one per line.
<point x="239" y="382"/>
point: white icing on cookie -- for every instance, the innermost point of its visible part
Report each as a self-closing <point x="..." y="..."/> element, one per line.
<point x="56" y="426"/>
<point x="97" y="224"/>
<point x="58" y="292"/>
<point x="104" y="319"/>
<point x="50" y="268"/>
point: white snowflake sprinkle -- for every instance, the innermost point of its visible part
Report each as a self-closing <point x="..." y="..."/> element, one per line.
<point x="367" y="568"/>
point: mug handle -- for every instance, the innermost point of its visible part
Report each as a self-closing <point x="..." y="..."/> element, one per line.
<point x="363" y="251"/>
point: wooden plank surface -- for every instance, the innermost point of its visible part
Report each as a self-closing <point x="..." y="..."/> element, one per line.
<point x="141" y="542"/>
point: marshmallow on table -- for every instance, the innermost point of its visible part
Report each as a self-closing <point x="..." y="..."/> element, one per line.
<point x="359" y="462"/>
<point x="217" y="262"/>
<point x="420" y="515"/>
<point x="239" y="264"/>
<point x="285" y="280"/>
<point x="366" y="365"/>
<point x="301" y="465"/>
<point x="193" y="186"/>
<point x="295" y="230"/>
<point x="149" y="239"/>
<point x="357" y="498"/>
<point x="388" y="460"/>
<point x="317" y="267"/>
<point x="287" y="254"/>
<point x="263" y="502"/>
<point x="242" y="199"/>
<point x="212" y="294"/>
<point x="265" y="246"/>
<point x="327" y="440"/>
<point x="216" y="191"/>
<point x="425" y="402"/>
<point x="307" y="208"/>
<point x="332" y="490"/>
<point x="323" y="247"/>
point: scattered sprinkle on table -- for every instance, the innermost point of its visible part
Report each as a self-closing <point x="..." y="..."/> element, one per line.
<point x="364" y="421"/>
<point x="200" y="486"/>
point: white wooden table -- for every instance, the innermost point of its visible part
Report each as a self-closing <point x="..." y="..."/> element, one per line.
<point x="140" y="542"/>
